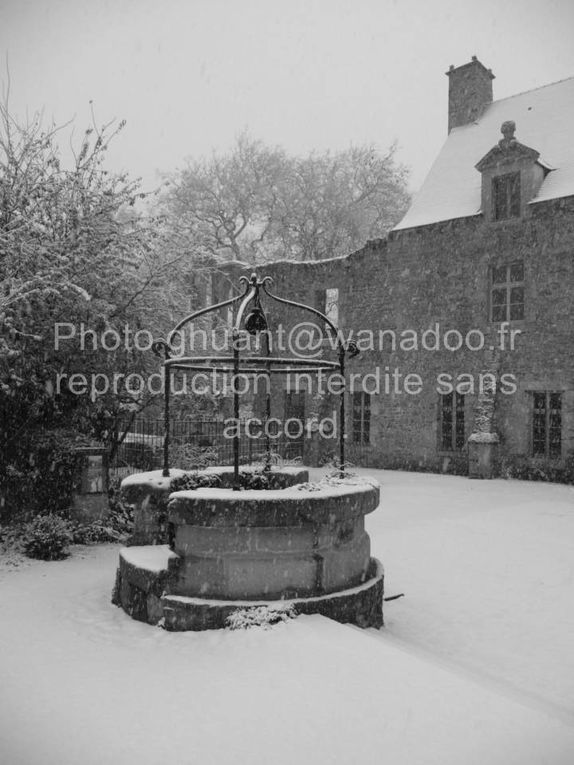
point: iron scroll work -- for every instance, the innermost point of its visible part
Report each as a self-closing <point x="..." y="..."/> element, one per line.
<point x="251" y="318"/>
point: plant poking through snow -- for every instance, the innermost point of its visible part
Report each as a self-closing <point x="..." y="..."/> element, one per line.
<point x="273" y="459"/>
<point x="261" y="616"/>
<point x="192" y="457"/>
<point x="192" y="481"/>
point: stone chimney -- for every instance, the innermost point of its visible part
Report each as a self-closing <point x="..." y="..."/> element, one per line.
<point x="469" y="92"/>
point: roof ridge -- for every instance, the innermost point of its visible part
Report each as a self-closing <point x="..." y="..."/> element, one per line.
<point x="539" y="87"/>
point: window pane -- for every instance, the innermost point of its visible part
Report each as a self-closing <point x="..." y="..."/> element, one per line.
<point x="517" y="303"/>
<point x="499" y="197"/>
<point x="366" y="430"/>
<point x="514" y="190"/>
<point x="446" y="421"/>
<point x="499" y="297"/>
<point x="498" y="313"/>
<point x="555" y="443"/>
<point x="366" y="417"/>
<point x="446" y="436"/>
<point x="517" y="312"/>
<point x="555" y="425"/>
<point x="459" y="422"/>
<point x="499" y="275"/>
<point x="539" y="400"/>
<point x="361" y="417"/>
<point x="506" y="196"/>
<point x="517" y="272"/>
<point x="538" y="443"/>
<point x="539" y="423"/>
<point x="517" y="295"/>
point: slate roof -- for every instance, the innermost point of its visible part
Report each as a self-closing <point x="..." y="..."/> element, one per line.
<point x="544" y="121"/>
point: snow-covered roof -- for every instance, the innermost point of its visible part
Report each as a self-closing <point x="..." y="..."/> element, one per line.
<point x="544" y="120"/>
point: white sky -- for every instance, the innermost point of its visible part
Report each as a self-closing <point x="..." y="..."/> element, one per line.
<point x="189" y="75"/>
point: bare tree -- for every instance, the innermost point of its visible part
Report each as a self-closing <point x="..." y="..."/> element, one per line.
<point x="256" y="203"/>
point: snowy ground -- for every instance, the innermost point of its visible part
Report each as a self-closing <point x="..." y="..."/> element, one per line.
<point x="475" y="664"/>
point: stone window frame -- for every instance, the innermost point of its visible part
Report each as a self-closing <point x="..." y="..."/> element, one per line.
<point x="546" y="423"/>
<point x="361" y="418"/>
<point x="508" y="284"/>
<point x="455" y="442"/>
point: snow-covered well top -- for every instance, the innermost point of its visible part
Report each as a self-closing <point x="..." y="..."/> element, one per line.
<point x="218" y="469"/>
<point x="325" y="502"/>
<point x="149" y="557"/>
<point x="322" y="489"/>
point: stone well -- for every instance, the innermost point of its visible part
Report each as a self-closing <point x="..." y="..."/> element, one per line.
<point x="304" y="544"/>
<point x="148" y="494"/>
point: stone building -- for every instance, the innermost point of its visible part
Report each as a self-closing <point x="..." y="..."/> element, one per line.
<point x="464" y="315"/>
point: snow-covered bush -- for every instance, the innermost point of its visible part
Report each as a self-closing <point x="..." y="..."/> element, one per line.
<point x="47" y="537"/>
<point x="192" y="481"/>
<point x="308" y="486"/>
<point x="558" y="471"/>
<point x="248" y="479"/>
<point x="261" y="616"/>
<point x="257" y="480"/>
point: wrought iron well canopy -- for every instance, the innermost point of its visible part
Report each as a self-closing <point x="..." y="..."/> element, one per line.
<point x="251" y="318"/>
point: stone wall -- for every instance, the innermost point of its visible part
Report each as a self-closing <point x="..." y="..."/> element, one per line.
<point x="441" y="275"/>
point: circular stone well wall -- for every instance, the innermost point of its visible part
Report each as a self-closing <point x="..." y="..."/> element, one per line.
<point x="305" y="545"/>
<point x="281" y="544"/>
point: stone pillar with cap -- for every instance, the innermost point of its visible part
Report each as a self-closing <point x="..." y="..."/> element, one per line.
<point x="90" y="497"/>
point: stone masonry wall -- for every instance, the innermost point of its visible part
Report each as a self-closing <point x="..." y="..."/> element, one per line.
<point x="441" y="275"/>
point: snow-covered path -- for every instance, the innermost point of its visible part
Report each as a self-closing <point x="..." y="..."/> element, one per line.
<point x="475" y="663"/>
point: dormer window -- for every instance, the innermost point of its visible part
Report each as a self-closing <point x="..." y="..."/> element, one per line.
<point x="511" y="173"/>
<point x="506" y="196"/>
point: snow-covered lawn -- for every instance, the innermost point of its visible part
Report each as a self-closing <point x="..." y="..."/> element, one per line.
<point x="475" y="663"/>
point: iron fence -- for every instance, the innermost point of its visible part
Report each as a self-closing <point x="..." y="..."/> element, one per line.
<point x="193" y="444"/>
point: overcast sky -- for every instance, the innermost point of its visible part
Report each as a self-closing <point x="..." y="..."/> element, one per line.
<point x="189" y="75"/>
